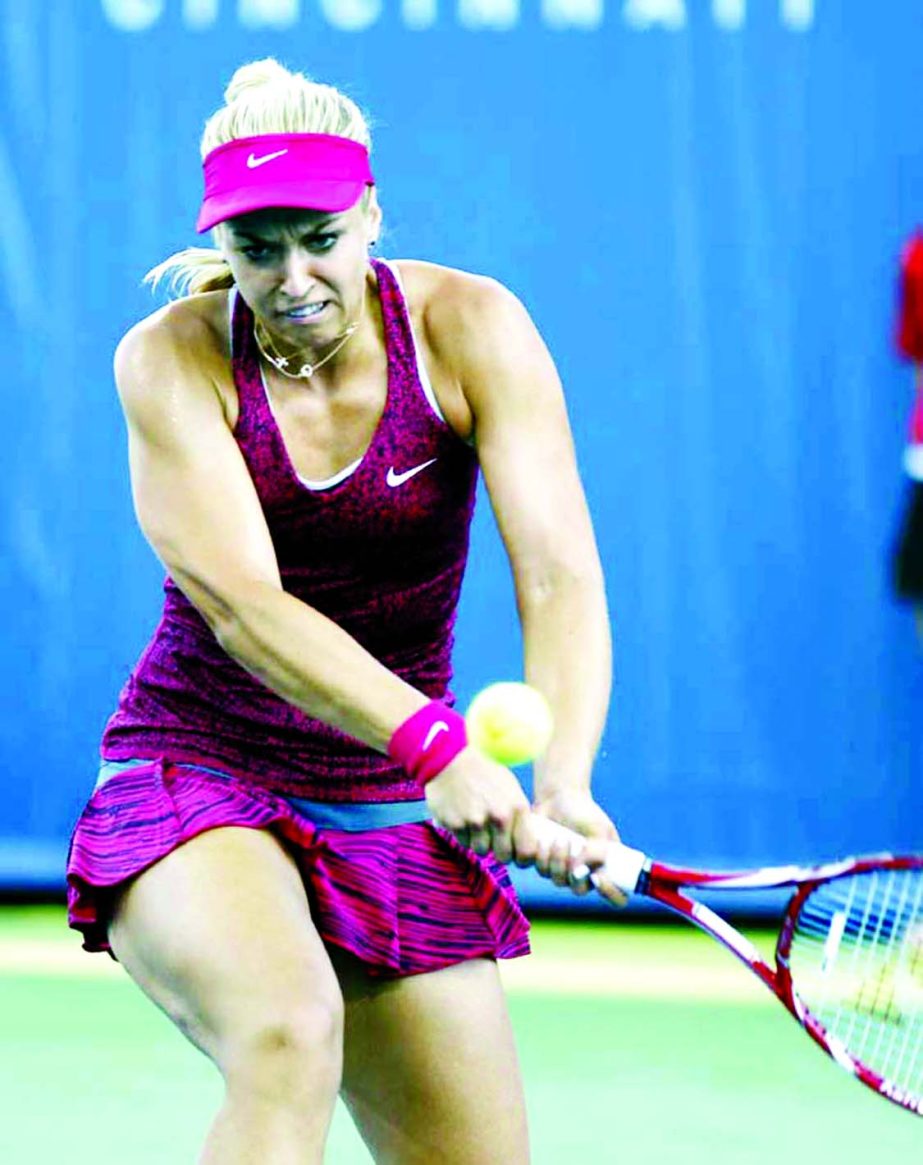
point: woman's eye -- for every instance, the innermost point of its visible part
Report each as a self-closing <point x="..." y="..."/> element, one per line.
<point x="266" y="253"/>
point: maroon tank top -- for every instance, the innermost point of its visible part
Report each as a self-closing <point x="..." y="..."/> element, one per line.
<point x="381" y="552"/>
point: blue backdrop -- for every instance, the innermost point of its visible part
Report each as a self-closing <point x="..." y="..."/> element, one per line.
<point x="702" y="205"/>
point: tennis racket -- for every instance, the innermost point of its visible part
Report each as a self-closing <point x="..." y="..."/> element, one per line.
<point x="849" y="956"/>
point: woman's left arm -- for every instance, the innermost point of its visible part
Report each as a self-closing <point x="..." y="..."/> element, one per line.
<point x="526" y="452"/>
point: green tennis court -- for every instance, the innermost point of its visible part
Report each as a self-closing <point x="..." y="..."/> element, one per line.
<point x="641" y="1044"/>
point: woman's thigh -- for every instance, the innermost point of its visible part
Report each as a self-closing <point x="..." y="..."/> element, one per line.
<point x="219" y="935"/>
<point x="430" y="1068"/>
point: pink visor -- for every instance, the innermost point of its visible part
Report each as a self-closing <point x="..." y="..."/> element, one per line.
<point x="311" y="171"/>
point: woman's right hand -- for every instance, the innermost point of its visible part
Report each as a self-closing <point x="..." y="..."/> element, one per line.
<point x="481" y="802"/>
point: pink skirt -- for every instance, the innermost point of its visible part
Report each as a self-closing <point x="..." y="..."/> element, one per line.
<point x="404" y="898"/>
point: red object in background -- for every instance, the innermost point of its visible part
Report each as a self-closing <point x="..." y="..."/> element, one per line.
<point x="909" y="335"/>
<point x="916" y="421"/>
<point x="909" y="332"/>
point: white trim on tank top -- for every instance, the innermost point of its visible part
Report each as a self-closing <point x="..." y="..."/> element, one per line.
<point x="422" y="376"/>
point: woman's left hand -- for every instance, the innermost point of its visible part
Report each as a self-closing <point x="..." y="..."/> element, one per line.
<point x="577" y="810"/>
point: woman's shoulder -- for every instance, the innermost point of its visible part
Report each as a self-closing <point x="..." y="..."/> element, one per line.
<point x="197" y="324"/>
<point x="454" y="306"/>
<point x="434" y="285"/>
<point x="184" y="343"/>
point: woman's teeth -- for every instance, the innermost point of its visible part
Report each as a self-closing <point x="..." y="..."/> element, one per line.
<point x="304" y="313"/>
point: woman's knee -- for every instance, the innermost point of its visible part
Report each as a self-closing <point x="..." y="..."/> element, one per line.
<point x="285" y="1054"/>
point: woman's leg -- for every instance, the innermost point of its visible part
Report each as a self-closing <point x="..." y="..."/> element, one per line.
<point x="218" y="934"/>
<point x="430" y="1071"/>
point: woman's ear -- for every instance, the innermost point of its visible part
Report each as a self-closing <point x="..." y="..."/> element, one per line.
<point x="372" y="219"/>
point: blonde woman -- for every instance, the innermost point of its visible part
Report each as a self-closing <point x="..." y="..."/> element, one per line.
<point x="291" y="848"/>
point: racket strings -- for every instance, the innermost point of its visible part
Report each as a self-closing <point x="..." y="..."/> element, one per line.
<point x="856" y="962"/>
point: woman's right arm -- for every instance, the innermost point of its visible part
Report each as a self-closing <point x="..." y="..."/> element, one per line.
<point x="198" y="508"/>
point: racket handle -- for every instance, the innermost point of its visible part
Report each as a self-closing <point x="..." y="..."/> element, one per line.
<point x="623" y="865"/>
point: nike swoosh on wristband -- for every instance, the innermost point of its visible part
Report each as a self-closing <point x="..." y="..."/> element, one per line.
<point x="393" y="478"/>
<point x="253" y="161"/>
<point x="436" y="728"/>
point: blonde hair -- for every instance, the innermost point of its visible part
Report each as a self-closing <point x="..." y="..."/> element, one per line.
<point x="262" y="97"/>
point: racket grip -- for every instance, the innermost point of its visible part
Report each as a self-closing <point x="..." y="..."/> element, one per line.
<point x="623" y="865"/>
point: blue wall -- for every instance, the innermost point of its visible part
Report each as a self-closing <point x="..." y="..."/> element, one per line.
<point x="701" y="204"/>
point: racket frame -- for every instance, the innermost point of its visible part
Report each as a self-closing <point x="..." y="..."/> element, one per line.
<point x="665" y="884"/>
<point x="635" y="872"/>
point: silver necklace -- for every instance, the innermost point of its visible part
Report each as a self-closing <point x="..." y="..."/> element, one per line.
<point x="306" y="371"/>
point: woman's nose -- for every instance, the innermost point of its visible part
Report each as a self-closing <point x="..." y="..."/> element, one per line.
<point x="297" y="276"/>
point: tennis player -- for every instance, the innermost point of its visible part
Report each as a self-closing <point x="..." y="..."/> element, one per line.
<point x="261" y="853"/>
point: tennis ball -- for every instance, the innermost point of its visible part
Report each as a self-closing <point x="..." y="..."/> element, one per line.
<point x="509" y="722"/>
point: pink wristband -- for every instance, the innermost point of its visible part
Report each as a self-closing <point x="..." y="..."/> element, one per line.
<point x="428" y="740"/>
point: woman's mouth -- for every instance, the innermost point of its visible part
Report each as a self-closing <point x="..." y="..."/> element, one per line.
<point x="306" y="312"/>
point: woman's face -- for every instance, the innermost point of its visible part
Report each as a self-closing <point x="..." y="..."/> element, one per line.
<point x="302" y="272"/>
